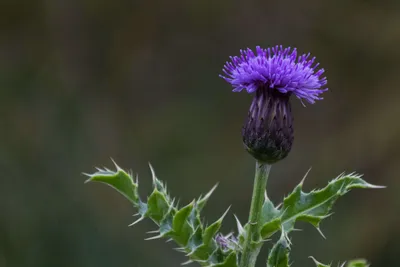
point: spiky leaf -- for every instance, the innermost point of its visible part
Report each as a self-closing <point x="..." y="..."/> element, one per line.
<point x="180" y="225"/>
<point x="279" y="254"/>
<point x="269" y="211"/>
<point x="183" y="225"/>
<point x="119" y="180"/>
<point x="230" y="261"/>
<point x="157" y="206"/>
<point x="270" y="219"/>
<point x="316" y="205"/>
<point x="211" y="231"/>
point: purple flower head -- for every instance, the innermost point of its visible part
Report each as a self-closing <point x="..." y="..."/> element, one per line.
<point x="226" y="242"/>
<point x="222" y="241"/>
<point x="277" y="68"/>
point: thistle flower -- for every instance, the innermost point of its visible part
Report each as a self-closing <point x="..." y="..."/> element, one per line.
<point x="273" y="75"/>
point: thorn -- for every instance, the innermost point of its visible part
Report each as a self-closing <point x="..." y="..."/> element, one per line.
<point x="135" y="222"/>
<point x="223" y="215"/>
<point x="136" y="214"/>
<point x="154" y="237"/>
<point x="98" y="169"/>
<point x="341" y="175"/>
<point x="279" y="205"/>
<point x="190" y="253"/>
<point x="297" y="230"/>
<point x="186" y="262"/>
<point x="179" y="249"/>
<point x="372" y="186"/>
<point x="305" y="176"/>
<point x="315" y="261"/>
<point x="211" y="191"/>
<point x="288" y="240"/>
<point x="87" y="174"/>
<point x="351" y="174"/>
<point x="168" y="240"/>
<point x="87" y="180"/>
<point x="320" y="232"/>
<point x="116" y="165"/>
<point x="170" y="208"/>
<point x="283" y="236"/>
<point x="153" y="232"/>
<point x="208" y="195"/>
<point x="239" y="225"/>
<point x="319" y="263"/>
<point x="153" y="174"/>
<point x="328" y="215"/>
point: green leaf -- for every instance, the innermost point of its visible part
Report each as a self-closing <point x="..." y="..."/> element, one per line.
<point x="270" y="228"/>
<point x="181" y="228"/>
<point x="316" y="205"/>
<point x="211" y="231"/>
<point x="157" y="206"/>
<point x="269" y="211"/>
<point x="270" y="219"/>
<point x="201" y="253"/>
<point x="199" y="249"/>
<point x="230" y="261"/>
<point x="279" y="254"/>
<point x="208" y="245"/>
<point x="357" y="263"/>
<point x="318" y="264"/>
<point x="194" y="217"/>
<point x="166" y="223"/>
<point x="184" y="225"/>
<point x="119" y="180"/>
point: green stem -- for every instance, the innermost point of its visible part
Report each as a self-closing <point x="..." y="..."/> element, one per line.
<point x="251" y="245"/>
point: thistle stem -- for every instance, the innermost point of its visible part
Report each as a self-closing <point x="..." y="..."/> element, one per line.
<point x="252" y="246"/>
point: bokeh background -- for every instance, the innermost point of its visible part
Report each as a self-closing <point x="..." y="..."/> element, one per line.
<point x="85" y="80"/>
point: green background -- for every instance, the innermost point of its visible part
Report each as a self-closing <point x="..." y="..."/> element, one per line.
<point x="83" y="81"/>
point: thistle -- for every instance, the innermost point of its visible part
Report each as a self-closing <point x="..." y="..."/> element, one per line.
<point x="272" y="75"/>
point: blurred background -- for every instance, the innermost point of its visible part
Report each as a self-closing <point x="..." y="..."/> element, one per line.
<point x="83" y="81"/>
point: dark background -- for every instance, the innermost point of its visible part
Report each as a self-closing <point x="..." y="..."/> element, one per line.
<point x="83" y="81"/>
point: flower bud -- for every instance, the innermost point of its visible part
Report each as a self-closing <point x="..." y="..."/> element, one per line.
<point x="268" y="132"/>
